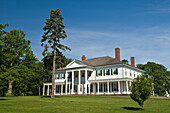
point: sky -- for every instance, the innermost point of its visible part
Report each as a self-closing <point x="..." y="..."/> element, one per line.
<point x="140" y="28"/>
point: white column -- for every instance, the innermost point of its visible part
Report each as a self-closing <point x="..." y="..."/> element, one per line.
<point x="94" y="88"/>
<point x="130" y="85"/>
<point x="107" y="87"/>
<point x="85" y="81"/>
<point x="119" y="87"/>
<point x="43" y="89"/>
<point x="54" y="89"/>
<point x="111" y="87"/>
<point x="89" y="88"/>
<point x="98" y="87"/>
<point x="69" y="88"/>
<point x="110" y="72"/>
<point x="72" y="91"/>
<point x="79" y="82"/>
<point x="127" y="88"/>
<point x="61" y="89"/>
<point x="48" y="90"/>
<point x="103" y="87"/>
<point x="66" y="77"/>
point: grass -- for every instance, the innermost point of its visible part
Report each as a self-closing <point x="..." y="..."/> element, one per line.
<point x="77" y="104"/>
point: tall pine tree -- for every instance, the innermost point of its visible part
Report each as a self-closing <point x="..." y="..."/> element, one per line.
<point x="54" y="32"/>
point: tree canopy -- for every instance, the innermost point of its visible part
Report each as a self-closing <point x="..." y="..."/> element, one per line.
<point x="160" y="74"/>
<point x="20" y="71"/>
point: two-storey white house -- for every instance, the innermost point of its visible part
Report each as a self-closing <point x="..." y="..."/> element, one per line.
<point x="103" y="75"/>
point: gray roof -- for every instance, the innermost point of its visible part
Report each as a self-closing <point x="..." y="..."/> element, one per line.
<point x="101" y="61"/>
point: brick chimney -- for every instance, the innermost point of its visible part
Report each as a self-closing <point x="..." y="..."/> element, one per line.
<point x="83" y="57"/>
<point x="117" y="53"/>
<point x="132" y="61"/>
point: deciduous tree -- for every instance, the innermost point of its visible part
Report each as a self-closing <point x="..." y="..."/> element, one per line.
<point x="141" y="89"/>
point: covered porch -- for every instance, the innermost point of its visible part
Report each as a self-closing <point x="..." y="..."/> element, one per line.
<point x="110" y="87"/>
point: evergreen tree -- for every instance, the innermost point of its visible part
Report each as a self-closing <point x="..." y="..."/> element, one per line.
<point x="54" y="32"/>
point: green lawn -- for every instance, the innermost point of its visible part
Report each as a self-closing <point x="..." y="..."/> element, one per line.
<point x="63" y="104"/>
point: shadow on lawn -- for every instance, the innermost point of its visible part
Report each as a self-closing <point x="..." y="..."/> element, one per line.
<point x="3" y="99"/>
<point x="132" y="108"/>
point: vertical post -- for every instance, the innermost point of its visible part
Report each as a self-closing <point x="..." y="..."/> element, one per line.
<point x="98" y="87"/>
<point x="127" y="87"/>
<point x="107" y="87"/>
<point x="85" y="81"/>
<point x="72" y="91"/>
<point x="119" y="87"/>
<point x="130" y="85"/>
<point x="48" y="90"/>
<point x="43" y="89"/>
<point x="62" y="89"/>
<point x="89" y="88"/>
<point x="54" y="89"/>
<point x="79" y="83"/>
<point x="103" y="87"/>
<point x="94" y="88"/>
<point x="110" y="72"/>
<point x="66" y="82"/>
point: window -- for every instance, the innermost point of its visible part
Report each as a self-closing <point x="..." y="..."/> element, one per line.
<point x="134" y="75"/>
<point x="130" y="74"/>
<point x="108" y="72"/>
<point x="125" y="72"/>
<point x="98" y="73"/>
<point x="101" y="72"/>
<point x="116" y="71"/>
<point x="104" y="72"/>
<point x="56" y="76"/>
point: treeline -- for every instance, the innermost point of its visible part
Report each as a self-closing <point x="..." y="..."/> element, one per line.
<point x="20" y="71"/>
<point x="161" y="77"/>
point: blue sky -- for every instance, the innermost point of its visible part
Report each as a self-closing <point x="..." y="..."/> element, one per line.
<point x="140" y="28"/>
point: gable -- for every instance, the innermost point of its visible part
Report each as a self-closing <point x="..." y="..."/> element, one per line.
<point x="75" y="63"/>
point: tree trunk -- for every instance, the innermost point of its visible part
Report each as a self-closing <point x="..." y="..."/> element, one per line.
<point x="10" y="87"/>
<point x="10" y="83"/>
<point x="39" y="91"/>
<point x="53" y="71"/>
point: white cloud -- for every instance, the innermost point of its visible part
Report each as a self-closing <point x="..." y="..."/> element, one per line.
<point x="148" y="44"/>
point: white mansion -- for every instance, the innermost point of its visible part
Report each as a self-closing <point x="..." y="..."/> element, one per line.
<point x="103" y="75"/>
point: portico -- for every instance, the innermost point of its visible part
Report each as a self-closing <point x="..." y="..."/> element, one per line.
<point x="77" y="81"/>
